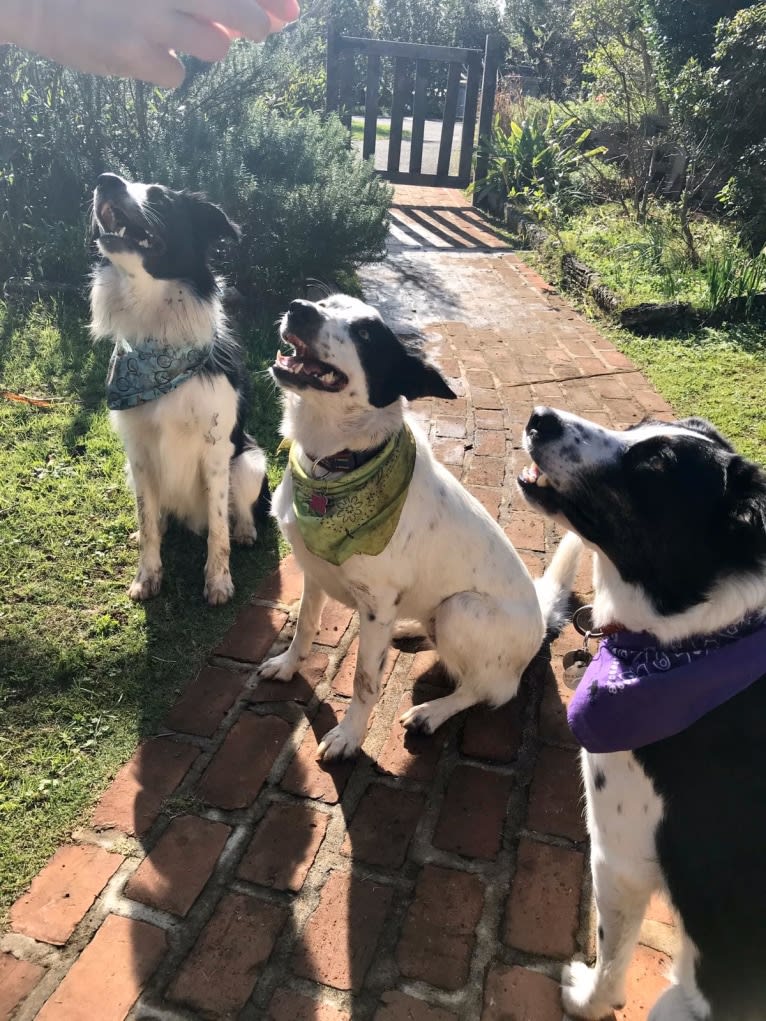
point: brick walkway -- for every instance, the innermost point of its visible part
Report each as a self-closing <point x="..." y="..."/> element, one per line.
<point x="226" y="875"/>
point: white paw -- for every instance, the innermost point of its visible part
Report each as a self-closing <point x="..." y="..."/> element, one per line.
<point x="278" y="668"/>
<point x="219" y="590"/>
<point x="580" y="994"/>
<point x="244" y="535"/>
<point x="145" y="584"/>
<point x="338" y="743"/>
<point x="420" y="717"/>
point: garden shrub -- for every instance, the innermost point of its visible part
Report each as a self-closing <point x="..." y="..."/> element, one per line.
<point x="535" y="164"/>
<point x="308" y="207"/>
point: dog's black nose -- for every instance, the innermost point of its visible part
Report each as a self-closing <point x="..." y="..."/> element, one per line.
<point x="544" y="424"/>
<point x="110" y="182"/>
<point x="303" y="313"/>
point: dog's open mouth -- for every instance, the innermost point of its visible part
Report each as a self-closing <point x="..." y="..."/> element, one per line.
<point x="120" y="230"/>
<point x="302" y="369"/>
<point x="531" y="475"/>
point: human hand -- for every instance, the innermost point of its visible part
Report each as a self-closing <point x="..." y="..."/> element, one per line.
<point x="138" y="38"/>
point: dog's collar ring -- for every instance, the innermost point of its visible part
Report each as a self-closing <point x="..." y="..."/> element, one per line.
<point x="582" y="620"/>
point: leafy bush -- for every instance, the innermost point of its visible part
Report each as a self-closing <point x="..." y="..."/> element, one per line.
<point x="534" y="164"/>
<point x="308" y="207"/>
<point x="737" y="112"/>
<point x="730" y="277"/>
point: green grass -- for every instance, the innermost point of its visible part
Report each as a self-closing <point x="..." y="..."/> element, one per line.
<point x="647" y="262"/>
<point x="719" y="374"/>
<point x="85" y="673"/>
<point x="383" y="130"/>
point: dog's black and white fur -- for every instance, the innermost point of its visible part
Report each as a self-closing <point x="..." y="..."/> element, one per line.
<point x="677" y="521"/>
<point x="448" y="566"/>
<point x="188" y="454"/>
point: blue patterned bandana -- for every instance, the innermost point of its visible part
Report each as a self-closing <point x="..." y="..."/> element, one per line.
<point x="142" y="373"/>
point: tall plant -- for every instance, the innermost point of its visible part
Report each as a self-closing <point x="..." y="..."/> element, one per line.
<point x="533" y="164"/>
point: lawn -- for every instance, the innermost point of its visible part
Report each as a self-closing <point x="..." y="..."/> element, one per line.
<point x="85" y="672"/>
<point x="383" y="130"/>
<point x="717" y="373"/>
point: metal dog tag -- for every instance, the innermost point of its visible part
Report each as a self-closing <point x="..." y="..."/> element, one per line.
<point x="575" y="664"/>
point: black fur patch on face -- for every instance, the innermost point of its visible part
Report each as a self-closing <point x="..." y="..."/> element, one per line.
<point x="172" y="231"/>
<point x="675" y="514"/>
<point x="599" y="780"/>
<point x="391" y="370"/>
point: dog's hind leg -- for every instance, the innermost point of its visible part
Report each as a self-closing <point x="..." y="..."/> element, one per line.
<point x="621" y="901"/>
<point x="283" y="666"/>
<point x="148" y="578"/>
<point x="248" y="472"/>
<point x="485" y="644"/>
<point x="375" y="629"/>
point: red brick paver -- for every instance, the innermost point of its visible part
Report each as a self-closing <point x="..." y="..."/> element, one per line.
<point x="435" y="878"/>
<point x="63" y="892"/>
<point x="107" y="977"/>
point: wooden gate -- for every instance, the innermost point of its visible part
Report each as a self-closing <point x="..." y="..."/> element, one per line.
<point x="472" y="72"/>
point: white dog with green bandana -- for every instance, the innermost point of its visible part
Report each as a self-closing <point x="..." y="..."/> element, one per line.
<point x="378" y="524"/>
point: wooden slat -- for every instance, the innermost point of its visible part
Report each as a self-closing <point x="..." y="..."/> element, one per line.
<point x="469" y="120"/>
<point x="418" y="116"/>
<point x="492" y="55"/>
<point x="448" y="124"/>
<point x="402" y="90"/>
<point x="331" y="66"/>
<point x="415" y="51"/>
<point x="405" y="177"/>
<point x="371" y="106"/>
<point x="345" y="87"/>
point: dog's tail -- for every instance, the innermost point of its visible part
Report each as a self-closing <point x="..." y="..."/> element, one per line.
<point x="555" y="586"/>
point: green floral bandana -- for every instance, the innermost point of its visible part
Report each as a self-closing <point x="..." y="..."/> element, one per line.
<point x="359" y="512"/>
<point x="147" y="371"/>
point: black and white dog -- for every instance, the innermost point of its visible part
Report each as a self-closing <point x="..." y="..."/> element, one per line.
<point x="672" y="712"/>
<point x="378" y="524"/>
<point x="177" y="385"/>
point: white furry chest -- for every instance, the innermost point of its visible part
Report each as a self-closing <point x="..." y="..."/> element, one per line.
<point x="623" y="809"/>
<point x="173" y="436"/>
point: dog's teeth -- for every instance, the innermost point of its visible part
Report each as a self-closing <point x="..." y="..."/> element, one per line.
<point x="121" y="232"/>
<point x="144" y="243"/>
<point x="329" y="377"/>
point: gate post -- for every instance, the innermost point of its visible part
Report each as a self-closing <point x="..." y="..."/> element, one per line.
<point x="332" y="100"/>
<point x="492" y="52"/>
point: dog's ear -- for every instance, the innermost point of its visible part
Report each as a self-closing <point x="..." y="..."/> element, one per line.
<point x="705" y="428"/>
<point x="746" y="495"/>
<point x="212" y="223"/>
<point x="421" y="379"/>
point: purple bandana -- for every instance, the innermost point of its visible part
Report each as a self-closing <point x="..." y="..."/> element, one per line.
<point x="634" y="693"/>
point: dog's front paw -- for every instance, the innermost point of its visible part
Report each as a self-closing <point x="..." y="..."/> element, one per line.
<point x="145" y="584"/>
<point x="244" y="535"/>
<point x="338" y="743"/>
<point x="278" y="668"/>
<point x="219" y="590"/>
<point x="419" y="719"/>
<point x="580" y="994"/>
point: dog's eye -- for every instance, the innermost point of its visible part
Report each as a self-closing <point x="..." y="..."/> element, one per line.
<point x="363" y="334"/>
